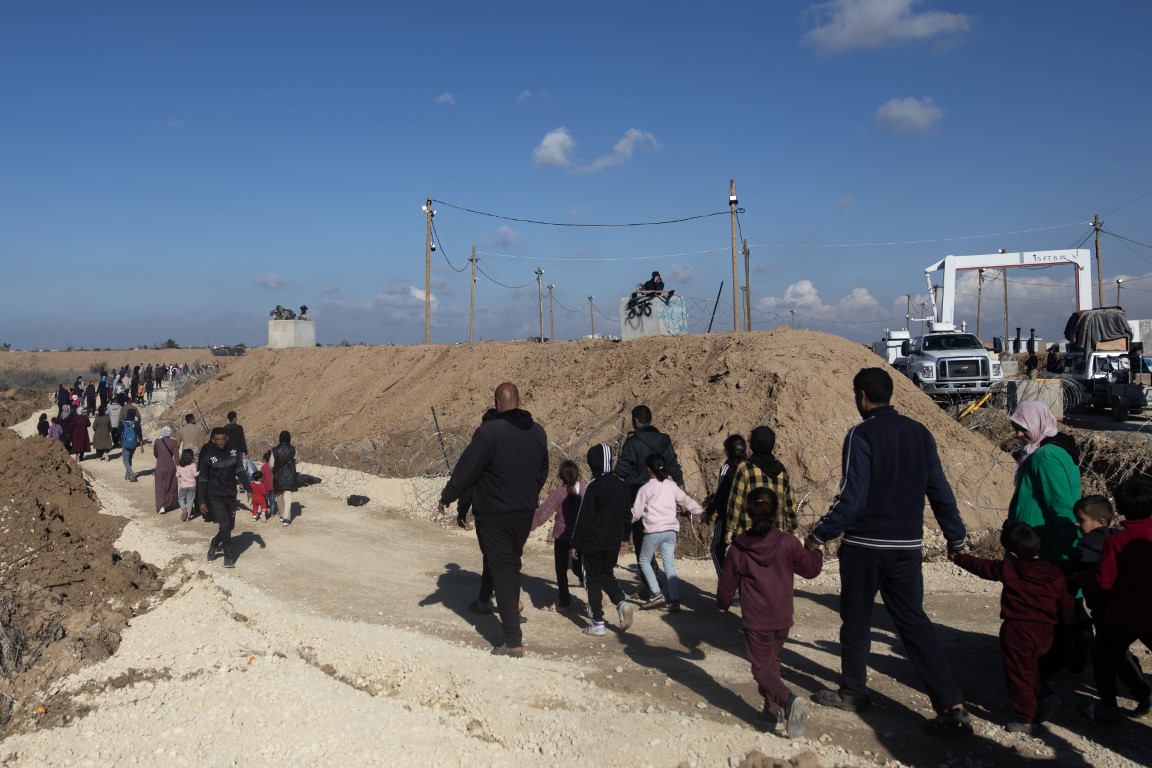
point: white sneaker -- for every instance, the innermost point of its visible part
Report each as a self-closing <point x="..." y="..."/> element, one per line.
<point x="626" y="612"/>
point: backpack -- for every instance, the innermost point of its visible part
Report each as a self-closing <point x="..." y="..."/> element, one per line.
<point x="129" y="439"/>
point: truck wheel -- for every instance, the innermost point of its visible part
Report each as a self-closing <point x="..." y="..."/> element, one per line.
<point x="1119" y="412"/>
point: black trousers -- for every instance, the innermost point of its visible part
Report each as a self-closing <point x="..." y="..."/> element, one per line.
<point x="896" y="574"/>
<point x="502" y="544"/>
<point x="485" y="571"/>
<point x="599" y="566"/>
<point x="222" y="511"/>
<point x="1109" y="653"/>
<point x="719" y="546"/>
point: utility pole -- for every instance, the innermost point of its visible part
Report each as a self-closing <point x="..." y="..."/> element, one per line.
<point x="908" y="315"/>
<point x="551" y="324"/>
<point x="472" y="304"/>
<point x="591" y="316"/>
<point x="1118" y="281"/>
<point x="428" y="214"/>
<point x="747" y="291"/>
<point x="979" y="297"/>
<point x="732" y="202"/>
<point x="1004" y="277"/>
<point x="793" y="319"/>
<point x="1099" y="267"/>
<point x="923" y="315"/>
<point x="540" y="300"/>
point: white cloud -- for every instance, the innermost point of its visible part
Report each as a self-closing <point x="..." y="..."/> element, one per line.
<point x="847" y="25"/>
<point x="908" y="116"/>
<point x="555" y="149"/>
<point x="413" y="292"/>
<point x="330" y="290"/>
<point x="523" y="96"/>
<point x="506" y="237"/>
<point x="270" y="281"/>
<point x="680" y="273"/>
<point x="634" y="139"/>
<point x="445" y="98"/>
<point x="558" y="145"/>
<point x="803" y="298"/>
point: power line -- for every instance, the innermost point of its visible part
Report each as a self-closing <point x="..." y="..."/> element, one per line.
<point x="603" y="258"/>
<point x="572" y="224"/>
<point x="1128" y="239"/>
<point x="578" y="309"/>
<point x="443" y="251"/>
<point x="1149" y="192"/>
<point x="916" y="242"/>
<point x="502" y="285"/>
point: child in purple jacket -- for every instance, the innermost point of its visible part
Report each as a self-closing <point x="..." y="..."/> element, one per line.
<point x="760" y="564"/>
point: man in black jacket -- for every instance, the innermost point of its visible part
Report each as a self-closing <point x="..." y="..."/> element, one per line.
<point x="889" y="464"/>
<point x="643" y="441"/>
<point x="221" y="468"/>
<point x="505" y="466"/>
<point x="237" y="440"/>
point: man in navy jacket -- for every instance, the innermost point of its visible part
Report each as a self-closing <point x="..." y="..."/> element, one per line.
<point x="889" y="464"/>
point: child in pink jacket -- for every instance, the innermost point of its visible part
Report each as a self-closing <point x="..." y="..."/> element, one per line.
<point x="656" y="505"/>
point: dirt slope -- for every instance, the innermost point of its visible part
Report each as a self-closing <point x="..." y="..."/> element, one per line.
<point x="371" y="407"/>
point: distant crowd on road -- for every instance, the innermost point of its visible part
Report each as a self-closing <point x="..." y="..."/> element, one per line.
<point x="1072" y="583"/>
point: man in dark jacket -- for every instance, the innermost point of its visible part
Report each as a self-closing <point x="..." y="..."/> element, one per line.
<point x="221" y="468"/>
<point x="643" y="441"/>
<point x="236" y="439"/>
<point x="600" y="526"/>
<point x="505" y="466"/>
<point x="889" y="465"/>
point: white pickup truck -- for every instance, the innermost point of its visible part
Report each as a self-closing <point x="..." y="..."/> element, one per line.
<point x="951" y="365"/>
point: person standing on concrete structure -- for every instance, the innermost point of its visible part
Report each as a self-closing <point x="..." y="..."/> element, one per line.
<point x="506" y="464"/>
<point x="643" y="441"/>
<point x="889" y="464"/>
<point x="220" y="469"/>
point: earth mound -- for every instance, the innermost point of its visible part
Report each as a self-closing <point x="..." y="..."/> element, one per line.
<point x="65" y="591"/>
<point x="371" y="408"/>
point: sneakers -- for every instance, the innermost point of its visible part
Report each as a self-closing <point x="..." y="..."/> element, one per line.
<point x="211" y="553"/>
<point x="595" y="629"/>
<point x="626" y="613"/>
<point x="795" y="715"/>
<point x="1143" y="707"/>
<point x="838" y="700"/>
<point x="1028" y="729"/>
<point x="653" y="602"/>
<point x="954" y="723"/>
<point x="229" y="562"/>
<point x="672" y="607"/>
<point x="256" y="517"/>
<point x="284" y="522"/>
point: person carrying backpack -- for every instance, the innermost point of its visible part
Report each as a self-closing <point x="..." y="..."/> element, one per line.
<point x="130" y="438"/>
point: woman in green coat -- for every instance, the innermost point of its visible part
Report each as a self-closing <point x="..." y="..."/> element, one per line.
<point x="1047" y="481"/>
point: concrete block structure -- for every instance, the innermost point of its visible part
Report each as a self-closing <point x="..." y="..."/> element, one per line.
<point x="652" y="317"/>
<point x="286" y="334"/>
<point x="1050" y="391"/>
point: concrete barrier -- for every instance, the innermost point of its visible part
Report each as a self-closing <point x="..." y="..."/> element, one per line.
<point x="652" y="317"/>
<point x="286" y="334"/>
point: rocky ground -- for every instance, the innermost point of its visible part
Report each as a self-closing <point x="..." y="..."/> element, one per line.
<point x="345" y="638"/>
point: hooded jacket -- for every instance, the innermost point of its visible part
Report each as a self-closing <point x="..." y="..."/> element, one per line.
<point x="505" y="465"/>
<point x="761" y="470"/>
<point x="762" y="569"/>
<point x="603" y="519"/>
<point x="638" y="446"/>
<point x="656" y="505"/>
<point x="1034" y="590"/>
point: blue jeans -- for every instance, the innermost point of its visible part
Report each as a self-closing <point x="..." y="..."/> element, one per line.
<point x="126" y="455"/>
<point x="665" y="541"/>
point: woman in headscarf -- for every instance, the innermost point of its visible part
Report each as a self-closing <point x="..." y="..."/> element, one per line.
<point x="1047" y="480"/>
<point x="735" y="452"/>
<point x="167" y="453"/>
<point x="283" y="461"/>
<point x="81" y="443"/>
<point x="101" y="434"/>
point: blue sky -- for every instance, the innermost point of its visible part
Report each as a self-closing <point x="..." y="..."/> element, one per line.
<point x="175" y="170"/>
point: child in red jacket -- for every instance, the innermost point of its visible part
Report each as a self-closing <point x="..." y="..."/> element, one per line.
<point x="1034" y="594"/>
<point x="1125" y="570"/>
<point x="259" y="497"/>
<point x="760" y="564"/>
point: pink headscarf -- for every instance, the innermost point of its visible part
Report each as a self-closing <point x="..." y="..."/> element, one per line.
<point x="1036" y="417"/>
